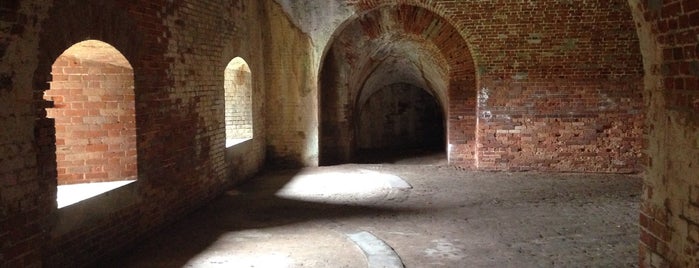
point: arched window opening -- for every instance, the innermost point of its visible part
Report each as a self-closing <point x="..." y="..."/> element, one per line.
<point x="92" y="91"/>
<point x="238" y="102"/>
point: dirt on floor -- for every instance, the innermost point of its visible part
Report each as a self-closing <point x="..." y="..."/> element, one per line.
<point x="449" y="218"/>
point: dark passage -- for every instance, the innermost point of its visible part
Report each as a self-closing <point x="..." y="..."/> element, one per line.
<point x="399" y="121"/>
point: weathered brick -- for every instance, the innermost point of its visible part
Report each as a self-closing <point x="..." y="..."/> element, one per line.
<point x="563" y="94"/>
<point x="179" y="117"/>
<point x="672" y="113"/>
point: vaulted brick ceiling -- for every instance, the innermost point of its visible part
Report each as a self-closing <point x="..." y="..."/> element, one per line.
<point x="97" y="51"/>
<point x="493" y="40"/>
<point x="380" y="51"/>
<point x="554" y="39"/>
<point x="401" y="44"/>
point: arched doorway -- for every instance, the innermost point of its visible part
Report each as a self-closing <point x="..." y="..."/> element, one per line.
<point x="92" y="91"/>
<point x="238" y="102"/>
<point x="385" y="47"/>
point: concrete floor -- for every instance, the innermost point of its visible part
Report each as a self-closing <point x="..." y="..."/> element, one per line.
<point x="449" y="218"/>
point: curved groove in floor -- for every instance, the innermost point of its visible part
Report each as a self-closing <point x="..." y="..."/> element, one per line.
<point x="377" y="252"/>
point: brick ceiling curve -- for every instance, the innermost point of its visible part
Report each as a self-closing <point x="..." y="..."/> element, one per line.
<point x="401" y="44"/>
<point x="97" y="51"/>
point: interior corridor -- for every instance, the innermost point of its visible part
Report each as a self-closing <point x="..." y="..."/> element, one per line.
<point x="289" y="133"/>
<point x="448" y="218"/>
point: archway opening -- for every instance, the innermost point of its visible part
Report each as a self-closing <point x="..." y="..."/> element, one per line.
<point x="384" y="47"/>
<point x="401" y="120"/>
<point x="92" y="91"/>
<point x="238" y="102"/>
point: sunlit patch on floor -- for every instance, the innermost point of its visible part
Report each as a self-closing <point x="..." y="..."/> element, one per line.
<point x="74" y="193"/>
<point x="450" y="218"/>
<point x="318" y="185"/>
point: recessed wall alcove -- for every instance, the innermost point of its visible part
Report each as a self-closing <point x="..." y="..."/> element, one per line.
<point x="92" y="91"/>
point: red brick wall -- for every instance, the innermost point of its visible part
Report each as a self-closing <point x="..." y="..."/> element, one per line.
<point x="178" y="52"/>
<point x="532" y="46"/>
<point x="95" y="117"/>
<point x="559" y="85"/>
<point x="669" y="220"/>
<point x="561" y="125"/>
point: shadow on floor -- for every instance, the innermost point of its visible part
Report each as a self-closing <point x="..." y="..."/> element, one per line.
<point x="252" y="205"/>
<point x="418" y="156"/>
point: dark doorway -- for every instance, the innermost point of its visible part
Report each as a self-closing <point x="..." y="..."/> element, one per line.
<point x="399" y="121"/>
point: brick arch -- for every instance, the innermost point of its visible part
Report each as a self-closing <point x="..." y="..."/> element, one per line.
<point x="94" y="111"/>
<point x="410" y="23"/>
<point x="440" y="9"/>
<point x="238" y="102"/>
<point x="424" y="23"/>
<point x="365" y="83"/>
<point x="69" y="23"/>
